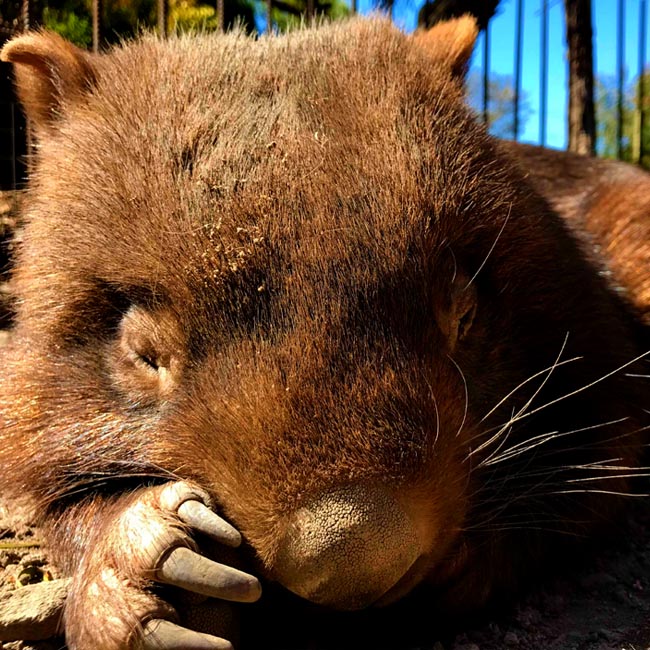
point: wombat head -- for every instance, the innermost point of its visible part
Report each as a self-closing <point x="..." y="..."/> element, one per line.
<point x="271" y="266"/>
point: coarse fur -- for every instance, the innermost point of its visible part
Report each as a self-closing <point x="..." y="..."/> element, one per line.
<point x="607" y="206"/>
<point x="285" y="266"/>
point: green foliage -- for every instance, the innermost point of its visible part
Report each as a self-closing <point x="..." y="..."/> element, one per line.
<point x="288" y="14"/>
<point x="122" y="19"/>
<point x="336" y="10"/>
<point x="186" y="16"/>
<point x="125" y="18"/>
<point x="71" y="20"/>
<point x="607" y="120"/>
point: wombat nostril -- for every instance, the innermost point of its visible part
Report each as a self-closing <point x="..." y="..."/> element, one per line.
<point x="347" y="548"/>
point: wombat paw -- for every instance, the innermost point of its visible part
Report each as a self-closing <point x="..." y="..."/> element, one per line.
<point x="112" y="606"/>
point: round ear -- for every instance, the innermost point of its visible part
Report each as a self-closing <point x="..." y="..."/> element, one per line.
<point x="50" y="73"/>
<point x="450" y="42"/>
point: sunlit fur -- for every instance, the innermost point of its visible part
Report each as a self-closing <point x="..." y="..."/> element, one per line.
<point x="291" y="228"/>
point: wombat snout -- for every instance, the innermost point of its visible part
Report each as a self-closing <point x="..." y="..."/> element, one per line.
<point x="347" y="548"/>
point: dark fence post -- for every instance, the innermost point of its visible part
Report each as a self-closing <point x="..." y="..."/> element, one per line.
<point x="269" y="19"/>
<point x="620" y="57"/>
<point x="221" y="15"/>
<point x="518" y="44"/>
<point x="543" y="76"/>
<point x="641" y="89"/>
<point x="98" y="24"/>
<point x="486" y="76"/>
<point x="310" y="11"/>
<point x="163" y="11"/>
<point x="24" y="130"/>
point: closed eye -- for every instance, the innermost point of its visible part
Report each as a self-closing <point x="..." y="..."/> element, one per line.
<point x="149" y="360"/>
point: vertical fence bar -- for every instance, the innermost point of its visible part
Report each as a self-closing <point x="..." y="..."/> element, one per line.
<point x="311" y="10"/>
<point x="486" y="75"/>
<point x="543" y="75"/>
<point x="518" y="43"/>
<point x="620" y="57"/>
<point x="25" y="18"/>
<point x="269" y="13"/>
<point x="641" y="90"/>
<point x="98" y="31"/>
<point x="354" y="6"/>
<point x="163" y="11"/>
<point x="221" y="15"/>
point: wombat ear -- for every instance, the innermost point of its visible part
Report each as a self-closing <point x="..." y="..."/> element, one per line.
<point x="50" y="72"/>
<point x="450" y="42"/>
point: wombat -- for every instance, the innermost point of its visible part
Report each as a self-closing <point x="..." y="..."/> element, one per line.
<point x="293" y="281"/>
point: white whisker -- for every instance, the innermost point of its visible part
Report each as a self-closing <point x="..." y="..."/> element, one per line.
<point x="579" y="390"/>
<point x="606" y="478"/>
<point x="611" y="492"/>
<point x="530" y="443"/>
<point x="462" y="376"/>
<point x="480" y="268"/>
<point x="518" y="449"/>
<point x="556" y="364"/>
<point x="514" y="418"/>
<point x="435" y="406"/>
<point x="503" y="429"/>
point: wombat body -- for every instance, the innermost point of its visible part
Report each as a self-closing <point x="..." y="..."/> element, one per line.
<point x="297" y="276"/>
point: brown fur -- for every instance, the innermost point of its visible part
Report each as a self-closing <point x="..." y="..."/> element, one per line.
<point x="607" y="204"/>
<point x="339" y="274"/>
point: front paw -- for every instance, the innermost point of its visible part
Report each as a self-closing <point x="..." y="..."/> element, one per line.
<point x="112" y="604"/>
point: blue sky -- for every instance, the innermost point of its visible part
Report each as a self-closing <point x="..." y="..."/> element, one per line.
<point x="502" y="47"/>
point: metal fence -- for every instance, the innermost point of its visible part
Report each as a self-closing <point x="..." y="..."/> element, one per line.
<point x="526" y="45"/>
<point x="519" y="74"/>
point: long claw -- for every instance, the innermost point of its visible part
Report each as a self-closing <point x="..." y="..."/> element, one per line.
<point x="189" y="570"/>
<point x="164" y="635"/>
<point x="199" y="516"/>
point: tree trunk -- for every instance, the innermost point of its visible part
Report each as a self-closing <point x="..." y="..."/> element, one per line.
<point x="582" y="123"/>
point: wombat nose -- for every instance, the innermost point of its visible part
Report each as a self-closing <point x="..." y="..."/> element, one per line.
<point x="347" y="548"/>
